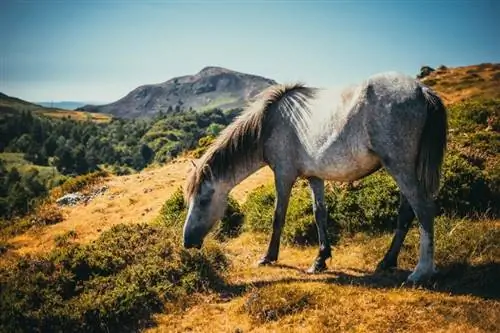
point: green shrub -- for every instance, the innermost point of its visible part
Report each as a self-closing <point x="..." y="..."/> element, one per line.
<point x="174" y="210"/>
<point x="458" y="242"/>
<point x="473" y="115"/>
<point x="273" y="302"/>
<point x="111" y="285"/>
<point x="299" y="228"/>
<point x="78" y="183"/>
<point x="371" y="205"/>
<point x="466" y="189"/>
<point x="64" y="239"/>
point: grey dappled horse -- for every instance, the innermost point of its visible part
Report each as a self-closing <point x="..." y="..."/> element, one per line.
<point x="390" y="120"/>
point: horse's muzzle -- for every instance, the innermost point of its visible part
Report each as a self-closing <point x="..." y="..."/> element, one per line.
<point x="190" y="243"/>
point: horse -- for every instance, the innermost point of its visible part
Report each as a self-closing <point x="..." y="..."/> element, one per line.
<point x="389" y="120"/>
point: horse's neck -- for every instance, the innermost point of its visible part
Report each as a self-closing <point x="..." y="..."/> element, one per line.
<point x="240" y="174"/>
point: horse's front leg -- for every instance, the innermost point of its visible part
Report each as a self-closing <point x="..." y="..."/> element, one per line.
<point x="320" y="214"/>
<point x="283" y="190"/>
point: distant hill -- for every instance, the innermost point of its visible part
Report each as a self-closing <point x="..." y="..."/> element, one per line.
<point x="212" y="87"/>
<point x="66" y="105"/>
<point x="460" y="83"/>
<point x="10" y="105"/>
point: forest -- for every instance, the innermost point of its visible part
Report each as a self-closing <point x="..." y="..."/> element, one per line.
<point x="69" y="148"/>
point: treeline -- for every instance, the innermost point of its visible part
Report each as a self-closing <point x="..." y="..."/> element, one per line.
<point x="17" y="190"/>
<point x="78" y="147"/>
<point x="75" y="147"/>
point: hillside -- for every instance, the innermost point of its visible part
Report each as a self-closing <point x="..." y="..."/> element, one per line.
<point x="159" y="183"/>
<point x="461" y="83"/>
<point x="107" y="270"/>
<point x="212" y="87"/>
<point x="9" y="105"/>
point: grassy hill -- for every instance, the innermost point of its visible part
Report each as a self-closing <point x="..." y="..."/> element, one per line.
<point x="10" y="105"/>
<point x="115" y="263"/>
<point x="468" y="82"/>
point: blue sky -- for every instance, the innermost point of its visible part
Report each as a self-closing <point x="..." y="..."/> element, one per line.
<point x="100" y="50"/>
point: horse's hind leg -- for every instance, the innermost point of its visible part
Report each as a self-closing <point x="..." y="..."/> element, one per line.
<point x="423" y="206"/>
<point x="405" y="217"/>
<point x="320" y="214"/>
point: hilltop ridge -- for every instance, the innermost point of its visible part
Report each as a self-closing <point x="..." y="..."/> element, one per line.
<point x="211" y="87"/>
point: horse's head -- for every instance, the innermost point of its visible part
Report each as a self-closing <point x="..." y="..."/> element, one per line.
<point x="206" y="206"/>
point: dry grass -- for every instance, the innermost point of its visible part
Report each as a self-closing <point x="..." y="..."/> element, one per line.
<point x="461" y="83"/>
<point x="281" y="298"/>
<point x="346" y="298"/>
<point x="133" y="198"/>
<point x="74" y="115"/>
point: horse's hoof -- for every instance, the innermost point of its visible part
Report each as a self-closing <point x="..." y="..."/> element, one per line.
<point x="265" y="262"/>
<point x="421" y="276"/>
<point x="386" y="265"/>
<point x="317" y="267"/>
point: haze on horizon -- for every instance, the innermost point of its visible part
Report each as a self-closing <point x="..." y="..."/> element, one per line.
<point x="99" y="51"/>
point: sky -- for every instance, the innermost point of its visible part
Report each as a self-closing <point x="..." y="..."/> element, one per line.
<point x="98" y="51"/>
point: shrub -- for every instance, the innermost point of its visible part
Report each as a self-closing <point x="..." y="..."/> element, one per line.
<point x="112" y="285"/>
<point x="47" y="214"/>
<point x="203" y="144"/>
<point x="174" y="210"/>
<point x="371" y="205"/>
<point x="458" y="242"/>
<point x="299" y="228"/>
<point x="63" y="239"/>
<point x="78" y="183"/>
<point x="466" y="189"/>
<point x="274" y="302"/>
<point x="473" y="115"/>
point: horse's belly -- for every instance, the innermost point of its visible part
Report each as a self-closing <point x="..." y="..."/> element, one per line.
<point x="345" y="168"/>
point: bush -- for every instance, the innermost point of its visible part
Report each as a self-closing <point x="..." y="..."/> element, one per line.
<point x="274" y="302"/>
<point x="466" y="189"/>
<point x="47" y="214"/>
<point x="203" y="144"/>
<point x="64" y="239"/>
<point x="473" y="115"/>
<point x="78" y="183"/>
<point x="371" y="205"/>
<point x="174" y="210"/>
<point x="111" y="285"/>
<point x="299" y="227"/>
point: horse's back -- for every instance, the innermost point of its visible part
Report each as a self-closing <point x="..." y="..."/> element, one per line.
<point x="364" y="121"/>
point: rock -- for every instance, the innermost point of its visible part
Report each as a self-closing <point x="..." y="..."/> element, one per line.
<point x="70" y="199"/>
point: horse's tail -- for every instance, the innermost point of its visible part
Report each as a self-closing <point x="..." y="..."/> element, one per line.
<point x="432" y="143"/>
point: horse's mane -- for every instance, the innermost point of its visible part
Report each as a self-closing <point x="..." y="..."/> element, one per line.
<point x="243" y="140"/>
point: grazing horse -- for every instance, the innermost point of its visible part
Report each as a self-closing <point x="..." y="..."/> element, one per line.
<point x="390" y="120"/>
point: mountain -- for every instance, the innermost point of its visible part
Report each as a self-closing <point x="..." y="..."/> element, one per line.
<point x="212" y="87"/>
<point x="10" y="104"/>
<point x="65" y="105"/>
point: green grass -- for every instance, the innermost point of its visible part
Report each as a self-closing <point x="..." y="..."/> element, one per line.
<point x="48" y="175"/>
<point x="114" y="284"/>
